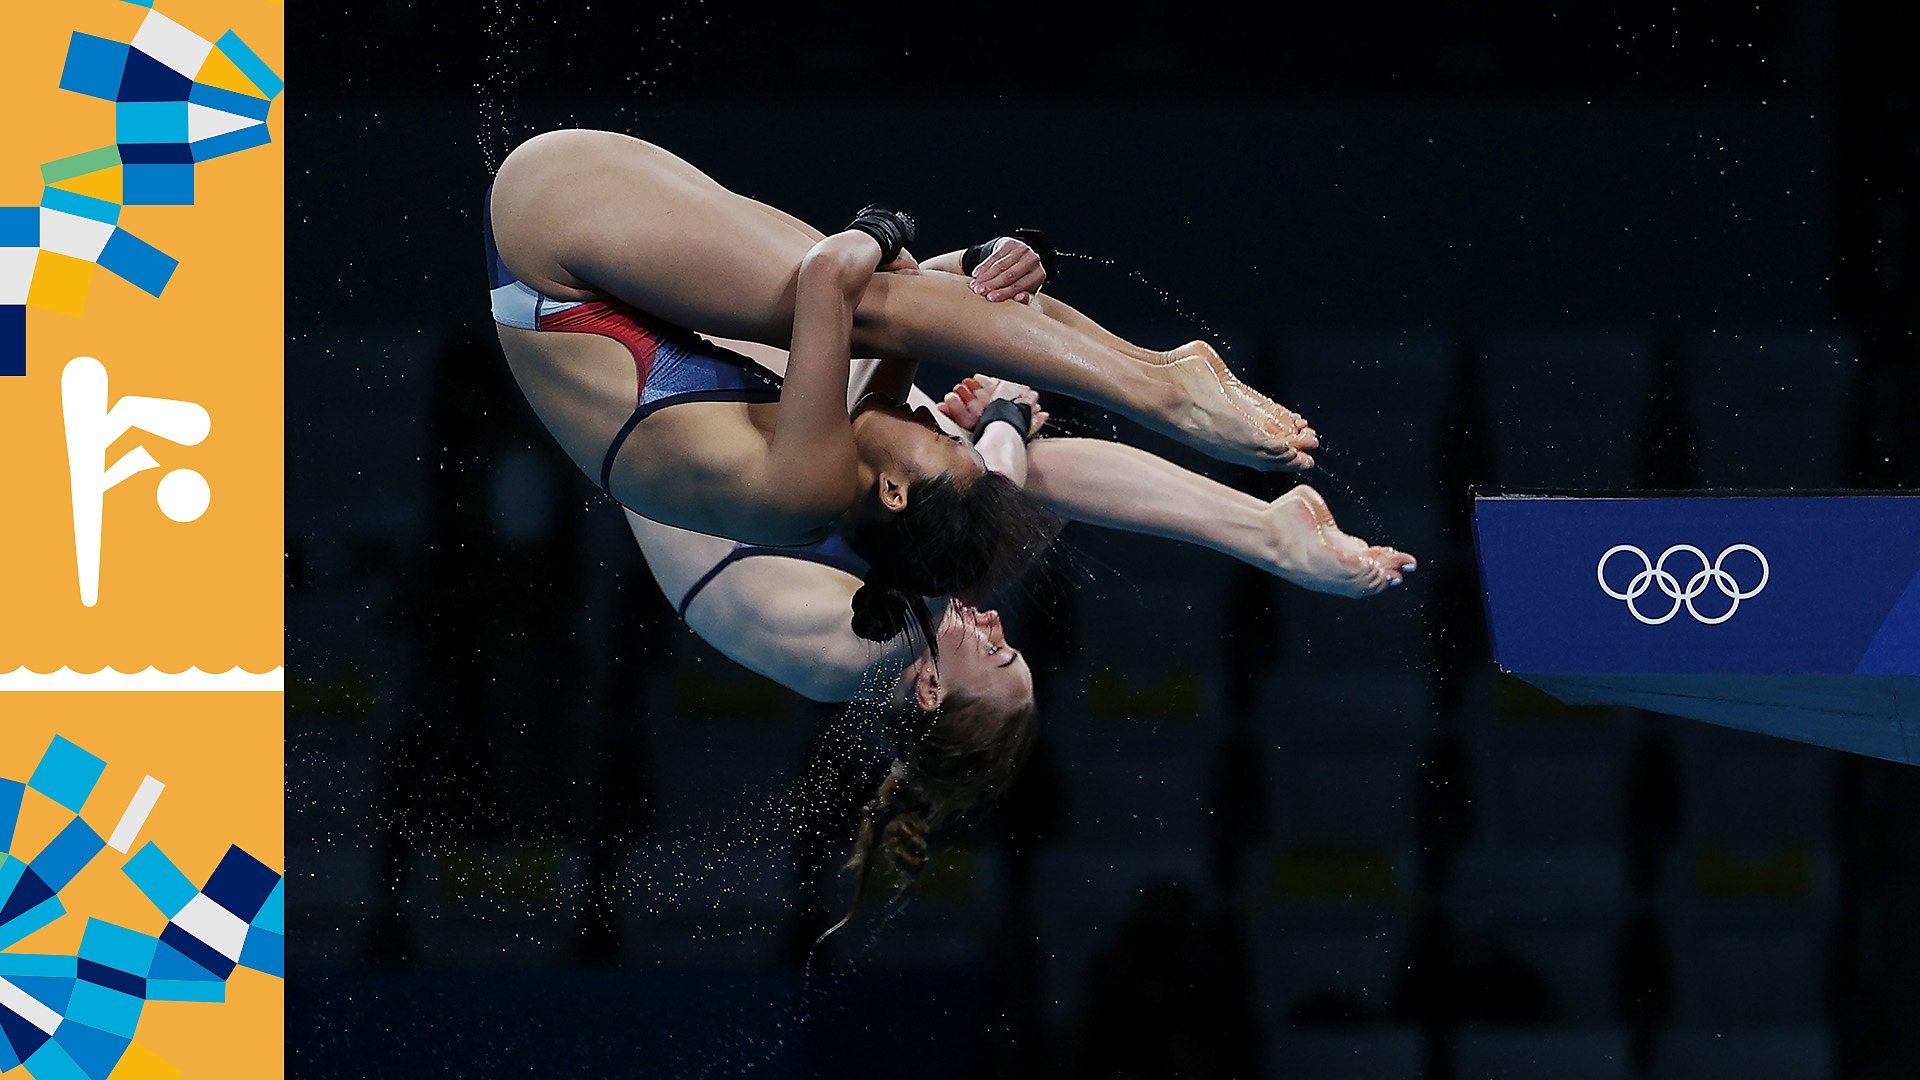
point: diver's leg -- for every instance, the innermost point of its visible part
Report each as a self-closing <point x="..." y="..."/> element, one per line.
<point x="601" y="215"/>
<point x="1067" y="315"/>
<point x="1116" y="486"/>
<point x="936" y="317"/>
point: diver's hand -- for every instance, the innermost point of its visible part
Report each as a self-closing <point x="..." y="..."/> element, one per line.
<point x="1013" y="272"/>
<point x="968" y="399"/>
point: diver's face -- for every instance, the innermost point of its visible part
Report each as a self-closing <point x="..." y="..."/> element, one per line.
<point x="976" y="661"/>
<point x="906" y="445"/>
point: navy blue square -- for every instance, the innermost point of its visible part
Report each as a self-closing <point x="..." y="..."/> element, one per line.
<point x="160" y="153"/>
<point x="24" y="1037"/>
<point x="241" y="884"/>
<point x="29" y="892"/>
<point x="147" y="79"/>
<point x="113" y="978"/>
<point x="13" y="340"/>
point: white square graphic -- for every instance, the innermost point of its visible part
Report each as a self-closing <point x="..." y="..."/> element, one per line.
<point x="219" y="928"/>
<point x="16" y="274"/>
<point x="71" y="234"/>
<point x="205" y="123"/>
<point x="28" y="1008"/>
<point x="172" y="44"/>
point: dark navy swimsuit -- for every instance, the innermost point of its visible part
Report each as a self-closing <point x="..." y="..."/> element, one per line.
<point x="834" y="551"/>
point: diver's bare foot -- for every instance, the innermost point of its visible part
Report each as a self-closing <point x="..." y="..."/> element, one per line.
<point x="1240" y="424"/>
<point x="1309" y="550"/>
<point x="1211" y="357"/>
<point x="1302" y="436"/>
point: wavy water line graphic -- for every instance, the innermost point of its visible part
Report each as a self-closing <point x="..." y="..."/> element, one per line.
<point x="234" y="680"/>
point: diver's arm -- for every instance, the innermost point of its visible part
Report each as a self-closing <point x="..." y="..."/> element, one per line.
<point x="807" y="478"/>
<point x="1117" y="486"/>
<point x="1011" y="270"/>
<point x="1004" y="452"/>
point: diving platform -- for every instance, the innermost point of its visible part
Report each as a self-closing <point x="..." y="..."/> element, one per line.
<point x="1792" y="615"/>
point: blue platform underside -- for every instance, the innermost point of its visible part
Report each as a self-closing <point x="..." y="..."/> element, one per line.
<point x="1878" y="716"/>
<point x="1790" y="615"/>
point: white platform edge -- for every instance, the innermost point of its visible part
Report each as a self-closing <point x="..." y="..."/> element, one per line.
<point x="151" y="680"/>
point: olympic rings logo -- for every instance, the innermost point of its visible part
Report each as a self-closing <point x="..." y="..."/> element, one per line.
<point x="1654" y="572"/>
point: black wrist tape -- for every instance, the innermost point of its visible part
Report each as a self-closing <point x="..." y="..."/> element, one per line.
<point x="1002" y="410"/>
<point x="891" y="229"/>
<point x="1041" y="246"/>
<point x="977" y="254"/>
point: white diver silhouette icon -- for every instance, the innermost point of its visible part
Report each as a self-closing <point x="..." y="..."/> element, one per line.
<point x="92" y="427"/>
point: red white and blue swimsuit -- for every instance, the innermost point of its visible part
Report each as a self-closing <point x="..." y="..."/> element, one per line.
<point x="671" y="365"/>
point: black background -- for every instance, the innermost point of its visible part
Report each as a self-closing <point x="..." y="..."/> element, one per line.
<point x="538" y="829"/>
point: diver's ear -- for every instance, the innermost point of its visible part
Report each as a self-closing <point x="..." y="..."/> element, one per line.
<point x="928" y="691"/>
<point x="891" y="490"/>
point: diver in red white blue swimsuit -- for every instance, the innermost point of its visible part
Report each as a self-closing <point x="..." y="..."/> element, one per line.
<point x="585" y="216"/>
<point x="671" y="366"/>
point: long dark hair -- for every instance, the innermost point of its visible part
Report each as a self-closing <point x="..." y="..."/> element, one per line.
<point x="962" y="762"/>
<point x="951" y="539"/>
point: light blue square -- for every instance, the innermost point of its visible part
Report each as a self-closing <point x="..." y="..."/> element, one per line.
<point x="155" y="875"/>
<point x="11" y="870"/>
<point x="85" y="206"/>
<point x="273" y="913"/>
<point x="118" y="947"/>
<point x="186" y="990"/>
<point x="66" y="774"/>
<point x="108" y="1010"/>
<point x="32" y="966"/>
<point x="250" y="64"/>
<point x="29" y="921"/>
<point x="151" y="122"/>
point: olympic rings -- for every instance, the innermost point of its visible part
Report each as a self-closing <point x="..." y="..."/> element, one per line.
<point x="1654" y="572"/>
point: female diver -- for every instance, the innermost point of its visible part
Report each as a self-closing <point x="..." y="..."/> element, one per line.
<point x="603" y="247"/>
<point x="777" y="610"/>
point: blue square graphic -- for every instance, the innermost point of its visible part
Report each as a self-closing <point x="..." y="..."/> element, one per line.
<point x="66" y="774"/>
<point x="241" y="884"/>
<point x="158" y="185"/>
<point x="94" y="66"/>
<point x="150" y="122"/>
<point x="146" y="267"/>
<point x="13" y="339"/>
<point x="67" y="854"/>
<point x="159" y="880"/>
<point x="19" y="226"/>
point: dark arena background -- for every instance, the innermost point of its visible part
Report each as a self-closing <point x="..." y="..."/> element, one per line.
<point x="541" y="830"/>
